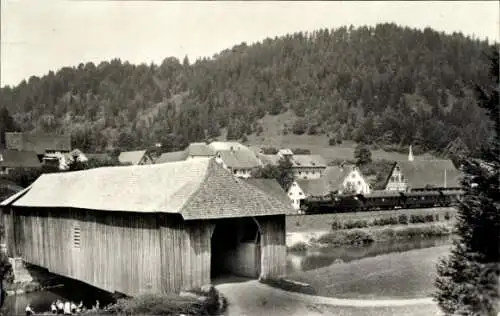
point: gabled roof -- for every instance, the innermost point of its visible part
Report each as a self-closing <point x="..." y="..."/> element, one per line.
<point x="131" y="157"/>
<point x="172" y="157"/>
<point x="423" y="173"/>
<point x="19" y="159"/>
<point x="240" y="159"/>
<point x="308" y="161"/>
<point x="200" y="149"/>
<point x="269" y="186"/>
<point x="269" y="159"/>
<point x="98" y="156"/>
<point x="336" y="175"/>
<point x="38" y="143"/>
<point x="331" y="181"/>
<point x="314" y="187"/>
<point x="195" y="189"/>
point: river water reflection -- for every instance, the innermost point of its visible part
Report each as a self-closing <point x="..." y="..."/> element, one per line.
<point x="305" y="261"/>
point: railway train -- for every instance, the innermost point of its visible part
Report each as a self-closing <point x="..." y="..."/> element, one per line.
<point x="379" y="200"/>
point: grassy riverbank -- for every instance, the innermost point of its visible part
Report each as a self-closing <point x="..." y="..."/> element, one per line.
<point x="409" y="274"/>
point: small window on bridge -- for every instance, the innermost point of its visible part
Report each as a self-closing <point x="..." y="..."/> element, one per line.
<point x="76" y="237"/>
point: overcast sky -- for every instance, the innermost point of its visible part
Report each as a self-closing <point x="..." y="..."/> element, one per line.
<point x="38" y="36"/>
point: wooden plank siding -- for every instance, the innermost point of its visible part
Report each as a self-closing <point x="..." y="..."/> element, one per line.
<point x="273" y="246"/>
<point x="118" y="251"/>
<point x="131" y="253"/>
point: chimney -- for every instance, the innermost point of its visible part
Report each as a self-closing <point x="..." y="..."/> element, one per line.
<point x="410" y="155"/>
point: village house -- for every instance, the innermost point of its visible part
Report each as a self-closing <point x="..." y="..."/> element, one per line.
<point x="303" y="166"/>
<point x="148" y="229"/>
<point x="194" y="150"/>
<point x="48" y="147"/>
<point x="137" y="157"/>
<point x="239" y="161"/>
<point x="423" y="175"/>
<point x="11" y="159"/>
<point x="337" y="180"/>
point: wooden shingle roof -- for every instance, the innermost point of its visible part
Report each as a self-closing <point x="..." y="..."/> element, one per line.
<point x="195" y="189"/>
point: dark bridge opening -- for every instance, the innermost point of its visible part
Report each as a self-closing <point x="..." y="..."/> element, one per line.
<point x="235" y="248"/>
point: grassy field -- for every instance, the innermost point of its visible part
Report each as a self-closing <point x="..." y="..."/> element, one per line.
<point x="323" y="222"/>
<point x="272" y="136"/>
<point x="416" y="310"/>
<point x="397" y="275"/>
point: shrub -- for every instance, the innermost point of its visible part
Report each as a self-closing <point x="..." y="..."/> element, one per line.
<point x="336" y="225"/>
<point x="349" y="237"/>
<point x="417" y="218"/>
<point x="429" y="218"/>
<point x="170" y="304"/>
<point x="447" y="216"/>
<point x="403" y="219"/>
<point x="356" y="224"/>
<point x="332" y="142"/>
<point x="385" y="221"/>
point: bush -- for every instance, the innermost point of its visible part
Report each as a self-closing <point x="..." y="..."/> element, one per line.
<point x="346" y="237"/>
<point x="336" y="225"/>
<point x="403" y="219"/>
<point x="447" y="216"/>
<point x="332" y="142"/>
<point x="356" y="224"/>
<point x="417" y="218"/>
<point x="170" y="304"/>
<point x="385" y="221"/>
<point x="429" y="218"/>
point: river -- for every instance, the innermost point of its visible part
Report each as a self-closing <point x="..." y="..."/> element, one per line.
<point x="311" y="260"/>
<point x="296" y="263"/>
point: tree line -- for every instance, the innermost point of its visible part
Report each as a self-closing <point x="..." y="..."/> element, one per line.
<point x="386" y="84"/>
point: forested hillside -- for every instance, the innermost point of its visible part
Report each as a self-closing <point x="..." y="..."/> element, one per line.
<point x="383" y="84"/>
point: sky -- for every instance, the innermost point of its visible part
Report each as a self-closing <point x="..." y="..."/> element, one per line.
<point x="38" y="36"/>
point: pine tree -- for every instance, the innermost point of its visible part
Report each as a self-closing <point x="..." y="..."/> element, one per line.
<point x="468" y="280"/>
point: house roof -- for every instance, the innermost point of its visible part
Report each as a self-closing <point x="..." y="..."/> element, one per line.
<point x="200" y="149"/>
<point x="241" y="158"/>
<point x="195" y="189"/>
<point x="269" y="186"/>
<point x="19" y="159"/>
<point x="336" y="175"/>
<point x="172" y="157"/>
<point x="98" y="156"/>
<point x="422" y="173"/>
<point x="314" y="187"/>
<point x="331" y="181"/>
<point x="269" y="159"/>
<point x="308" y="161"/>
<point x="132" y="157"/>
<point x="39" y="143"/>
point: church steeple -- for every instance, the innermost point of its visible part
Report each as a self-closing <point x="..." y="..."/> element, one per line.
<point x="410" y="155"/>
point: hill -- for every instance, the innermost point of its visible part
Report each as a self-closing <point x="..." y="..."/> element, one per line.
<point x="386" y="85"/>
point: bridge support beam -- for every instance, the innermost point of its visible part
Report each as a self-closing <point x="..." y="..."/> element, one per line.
<point x="21" y="273"/>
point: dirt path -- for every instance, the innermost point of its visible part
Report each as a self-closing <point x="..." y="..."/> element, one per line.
<point x="248" y="298"/>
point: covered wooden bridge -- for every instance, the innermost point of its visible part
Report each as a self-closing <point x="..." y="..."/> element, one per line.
<point x="155" y="228"/>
